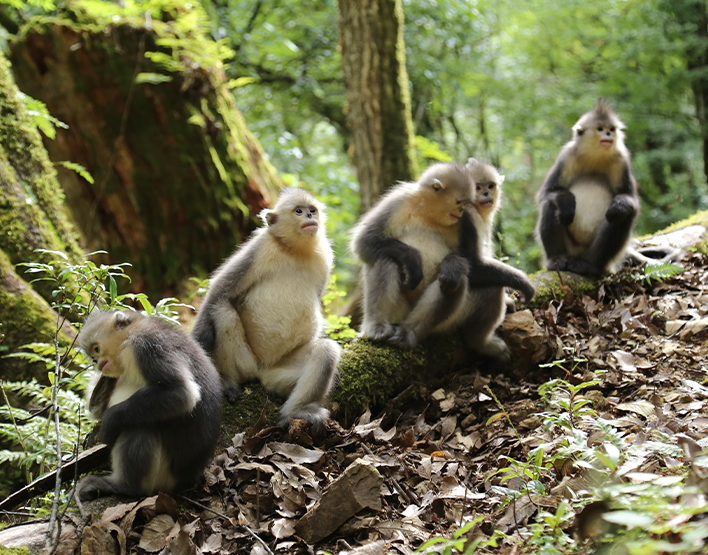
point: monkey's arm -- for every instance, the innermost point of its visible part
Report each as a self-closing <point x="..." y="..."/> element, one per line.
<point x="231" y="280"/>
<point x="101" y="395"/>
<point x="488" y="272"/>
<point x="555" y="196"/>
<point x="170" y="391"/>
<point x="625" y="205"/>
<point x="373" y="243"/>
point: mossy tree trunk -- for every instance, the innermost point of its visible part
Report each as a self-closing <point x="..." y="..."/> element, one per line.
<point x="32" y="216"/>
<point x="179" y="179"/>
<point x="378" y="98"/>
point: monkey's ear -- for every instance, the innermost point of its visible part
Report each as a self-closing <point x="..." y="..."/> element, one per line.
<point x="121" y="320"/>
<point x="578" y="129"/>
<point x="268" y="216"/>
<point x="438" y="185"/>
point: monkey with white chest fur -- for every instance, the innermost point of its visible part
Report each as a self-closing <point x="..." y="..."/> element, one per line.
<point x="487" y="277"/>
<point x="158" y="400"/>
<point x="261" y="317"/>
<point x="588" y="203"/>
<point x="414" y="279"/>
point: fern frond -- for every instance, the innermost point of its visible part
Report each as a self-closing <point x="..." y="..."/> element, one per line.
<point x="660" y="272"/>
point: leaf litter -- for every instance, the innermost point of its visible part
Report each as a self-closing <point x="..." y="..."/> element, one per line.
<point x="393" y="481"/>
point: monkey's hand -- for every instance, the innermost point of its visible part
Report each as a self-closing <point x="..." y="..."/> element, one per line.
<point x="403" y="338"/>
<point x="527" y="290"/>
<point x="411" y="266"/>
<point x="622" y="208"/>
<point x="453" y="273"/>
<point x="565" y="200"/>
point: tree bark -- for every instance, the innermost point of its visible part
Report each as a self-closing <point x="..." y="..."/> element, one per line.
<point x="379" y="106"/>
<point x="179" y="179"/>
<point x="32" y="216"/>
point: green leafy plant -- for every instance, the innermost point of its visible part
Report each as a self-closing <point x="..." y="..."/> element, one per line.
<point x="462" y="541"/>
<point x="337" y="327"/>
<point x="47" y="422"/>
<point x="659" y="272"/>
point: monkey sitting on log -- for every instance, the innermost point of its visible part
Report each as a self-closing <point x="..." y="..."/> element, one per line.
<point x="261" y="317"/>
<point x="415" y="279"/>
<point x="588" y="203"/>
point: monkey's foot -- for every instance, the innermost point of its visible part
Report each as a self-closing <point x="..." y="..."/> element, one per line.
<point x="495" y="347"/>
<point x="380" y="332"/>
<point x="573" y="264"/>
<point x="403" y="338"/>
<point x="315" y="414"/>
<point x="232" y="391"/>
<point x="92" y="487"/>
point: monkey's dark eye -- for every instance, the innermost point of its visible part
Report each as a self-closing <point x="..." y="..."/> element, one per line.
<point x="313" y="210"/>
<point x="599" y="128"/>
<point x="95" y="349"/>
<point x="492" y="186"/>
<point x="298" y="210"/>
<point x="612" y="129"/>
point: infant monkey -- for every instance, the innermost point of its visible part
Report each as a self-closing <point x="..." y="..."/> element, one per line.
<point x="159" y="402"/>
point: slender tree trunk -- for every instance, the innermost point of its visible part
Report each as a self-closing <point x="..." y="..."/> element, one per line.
<point x="379" y="107"/>
<point x="179" y="179"/>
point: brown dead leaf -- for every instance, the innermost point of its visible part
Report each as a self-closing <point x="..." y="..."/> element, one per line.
<point x="182" y="545"/>
<point x="283" y="527"/>
<point x="112" y="514"/>
<point x="296" y="453"/>
<point x="103" y="538"/>
<point x="625" y="361"/>
<point x="155" y="533"/>
<point x="643" y="408"/>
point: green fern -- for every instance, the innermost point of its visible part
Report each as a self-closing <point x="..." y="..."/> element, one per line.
<point x="660" y="272"/>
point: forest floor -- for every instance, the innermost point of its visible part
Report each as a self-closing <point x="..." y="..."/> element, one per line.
<point x="556" y="459"/>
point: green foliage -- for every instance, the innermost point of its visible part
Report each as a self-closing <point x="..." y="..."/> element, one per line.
<point x="337" y="326"/>
<point x="659" y="272"/>
<point x="646" y="512"/>
<point x="78" y="168"/>
<point x="28" y="423"/>
<point x="44" y="121"/>
<point x="461" y="542"/>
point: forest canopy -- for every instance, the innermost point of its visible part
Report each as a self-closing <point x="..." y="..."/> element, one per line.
<point x="167" y="126"/>
<point x="499" y="80"/>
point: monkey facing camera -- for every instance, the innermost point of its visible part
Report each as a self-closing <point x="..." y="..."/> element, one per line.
<point x="588" y="203"/>
<point x="427" y="260"/>
<point x="158" y="397"/>
<point x="261" y="317"/>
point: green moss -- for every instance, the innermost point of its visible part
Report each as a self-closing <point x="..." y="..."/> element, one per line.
<point x="372" y="374"/>
<point x="26" y="317"/>
<point x="242" y="415"/>
<point x="14" y="550"/>
<point x="699" y="218"/>
<point x="31" y="200"/>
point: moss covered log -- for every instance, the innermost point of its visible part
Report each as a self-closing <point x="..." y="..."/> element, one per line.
<point x="32" y="212"/>
<point x="32" y="216"/>
<point x="179" y="179"/>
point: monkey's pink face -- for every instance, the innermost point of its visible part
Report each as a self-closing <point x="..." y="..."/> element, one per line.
<point x="486" y="195"/>
<point x="606" y="135"/>
<point x="307" y="218"/>
<point x="105" y="356"/>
